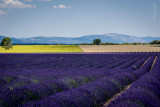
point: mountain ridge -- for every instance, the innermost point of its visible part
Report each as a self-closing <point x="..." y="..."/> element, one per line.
<point x="110" y="37"/>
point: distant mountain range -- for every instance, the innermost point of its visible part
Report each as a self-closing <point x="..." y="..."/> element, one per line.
<point x="110" y="37"/>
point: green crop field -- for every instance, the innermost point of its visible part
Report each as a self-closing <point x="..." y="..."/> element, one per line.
<point x="41" y="49"/>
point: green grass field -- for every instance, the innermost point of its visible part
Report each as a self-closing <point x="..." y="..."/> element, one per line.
<point x="41" y="49"/>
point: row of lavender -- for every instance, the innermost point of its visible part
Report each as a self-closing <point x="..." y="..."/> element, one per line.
<point x="147" y="52"/>
<point x="145" y="92"/>
<point x="96" y="92"/>
<point x="8" y="65"/>
<point x="48" y="87"/>
<point x="18" y="89"/>
<point x="56" y="61"/>
<point x="41" y="71"/>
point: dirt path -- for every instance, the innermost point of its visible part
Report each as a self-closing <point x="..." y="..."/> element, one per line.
<point x="116" y="95"/>
<point x="153" y="63"/>
<point x="145" y="62"/>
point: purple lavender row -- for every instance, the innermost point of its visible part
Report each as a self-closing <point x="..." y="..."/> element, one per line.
<point x="41" y="88"/>
<point x="84" y="63"/>
<point x="103" y="61"/>
<point x="144" y="92"/>
<point x="89" y="65"/>
<point x="132" y="67"/>
<point x="37" y="89"/>
<point x="94" y="93"/>
<point x="23" y="72"/>
<point x="130" y="62"/>
<point x="119" y="63"/>
<point x="49" y="75"/>
<point x="9" y="62"/>
<point x="44" y="65"/>
<point x="152" y="53"/>
<point x="21" y="95"/>
<point x="124" y="65"/>
<point x="18" y="71"/>
<point x="114" y="62"/>
<point x="10" y="76"/>
<point x="53" y="75"/>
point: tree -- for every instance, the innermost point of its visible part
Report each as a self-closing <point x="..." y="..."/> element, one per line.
<point x="155" y="42"/>
<point x="97" y="41"/>
<point x="6" y="43"/>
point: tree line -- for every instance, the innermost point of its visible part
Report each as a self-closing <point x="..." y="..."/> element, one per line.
<point x="98" y="42"/>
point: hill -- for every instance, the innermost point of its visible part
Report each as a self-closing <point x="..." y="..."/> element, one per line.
<point x="110" y="37"/>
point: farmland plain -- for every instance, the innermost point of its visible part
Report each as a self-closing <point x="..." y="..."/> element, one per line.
<point x="120" y="48"/>
<point x="80" y="48"/>
<point x="57" y="78"/>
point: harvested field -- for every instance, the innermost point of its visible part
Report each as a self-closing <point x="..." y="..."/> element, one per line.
<point x="120" y="48"/>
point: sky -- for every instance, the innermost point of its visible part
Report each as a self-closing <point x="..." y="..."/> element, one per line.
<point x="74" y="18"/>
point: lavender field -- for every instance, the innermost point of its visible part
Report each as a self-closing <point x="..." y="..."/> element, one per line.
<point x="80" y="80"/>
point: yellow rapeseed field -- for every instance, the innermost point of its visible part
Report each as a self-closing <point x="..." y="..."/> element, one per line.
<point x="41" y="49"/>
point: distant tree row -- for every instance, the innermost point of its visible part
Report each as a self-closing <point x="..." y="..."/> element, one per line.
<point x="155" y="42"/>
<point x="98" y="42"/>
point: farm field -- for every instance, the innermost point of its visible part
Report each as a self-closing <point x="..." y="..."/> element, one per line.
<point x="120" y="48"/>
<point x="41" y="49"/>
<point x="80" y="79"/>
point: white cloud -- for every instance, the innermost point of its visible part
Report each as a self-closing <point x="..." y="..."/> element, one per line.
<point x="14" y="4"/>
<point x="38" y="0"/>
<point x="61" y="6"/>
<point x="2" y="12"/>
<point x="28" y="0"/>
<point x="44" y="0"/>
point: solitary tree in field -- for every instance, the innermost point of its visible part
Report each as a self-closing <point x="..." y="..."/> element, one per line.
<point x="6" y="43"/>
<point x="97" y="41"/>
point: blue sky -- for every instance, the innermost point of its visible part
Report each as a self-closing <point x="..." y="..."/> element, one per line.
<point x="74" y="18"/>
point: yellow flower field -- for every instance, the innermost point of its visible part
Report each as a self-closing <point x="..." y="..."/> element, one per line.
<point x="41" y="49"/>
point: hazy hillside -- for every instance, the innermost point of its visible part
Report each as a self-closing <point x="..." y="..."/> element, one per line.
<point x="111" y="37"/>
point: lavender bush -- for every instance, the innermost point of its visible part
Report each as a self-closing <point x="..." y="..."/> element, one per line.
<point x="68" y="79"/>
<point x="144" y="92"/>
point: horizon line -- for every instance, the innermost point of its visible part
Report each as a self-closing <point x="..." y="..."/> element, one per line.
<point x="81" y="36"/>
